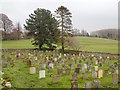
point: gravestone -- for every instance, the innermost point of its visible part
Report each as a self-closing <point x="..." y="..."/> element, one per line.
<point x="85" y="76"/>
<point x="74" y="85"/>
<point x="100" y="73"/>
<point x="60" y="72"/>
<point x="42" y="74"/>
<point x="4" y="64"/>
<point x="55" y="79"/>
<point x="43" y="66"/>
<point x="77" y="70"/>
<point x="96" y="84"/>
<point x="96" y="68"/>
<point x="29" y="63"/>
<point x="68" y="71"/>
<point x="94" y="74"/>
<point x="85" y="66"/>
<point x="51" y="65"/>
<point x="88" y="85"/>
<point x="106" y="72"/>
<point x="36" y="63"/>
<point x="83" y="69"/>
<point x="114" y="78"/>
<point x="32" y="70"/>
<point x="50" y="69"/>
<point x="74" y="77"/>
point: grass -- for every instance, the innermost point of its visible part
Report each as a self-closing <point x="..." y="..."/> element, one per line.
<point x="91" y="44"/>
<point x="20" y="78"/>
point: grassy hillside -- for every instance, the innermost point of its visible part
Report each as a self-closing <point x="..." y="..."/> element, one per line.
<point x="85" y="44"/>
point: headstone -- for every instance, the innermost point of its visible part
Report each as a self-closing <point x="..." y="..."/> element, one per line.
<point x="51" y="65"/>
<point x="36" y="63"/>
<point x="117" y="71"/>
<point x="96" y="84"/>
<point x="96" y="68"/>
<point x="94" y="74"/>
<point x="114" y="78"/>
<point x="4" y="64"/>
<point x="55" y="79"/>
<point x="74" y="77"/>
<point x="32" y="70"/>
<point x="43" y="66"/>
<point x="106" y="72"/>
<point x="88" y="85"/>
<point x="74" y="85"/>
<point x="85" y="66"/>
<point x="42" y="74"/>
<point x="68" y="71"/>
<point x="85" y="76"/>
<point x="100" y="73"/>
<point x="83" y="69"/>
<point x="77" y="70"/>
<point x="60" y="72"/>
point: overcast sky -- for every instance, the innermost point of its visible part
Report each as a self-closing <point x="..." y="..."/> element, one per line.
<point x="90" y="15"/>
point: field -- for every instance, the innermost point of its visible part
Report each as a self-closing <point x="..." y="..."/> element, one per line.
<point x="17" y="72"/>
<point x="85" y="43"/>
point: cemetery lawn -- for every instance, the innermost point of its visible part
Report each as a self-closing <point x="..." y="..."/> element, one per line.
<point x="91" y="44"/>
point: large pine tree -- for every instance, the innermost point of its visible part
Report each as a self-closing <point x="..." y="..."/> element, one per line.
<point x="65" y="23"/>
<point x="43" y="27"/>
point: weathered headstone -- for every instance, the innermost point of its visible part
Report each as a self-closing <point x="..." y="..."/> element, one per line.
<point x="88" y="85"/>
<point x="100" y="73"/>
<point x="55" y="79"/>
<point x="85" y="76"/>
<point x="85" y="66"/>
<point x="96" y="68"/>
<point x="74" y="85"/>
<point x="32" y="70"/>
<point x="96" y="84"/>
<point x="51" y="65"/>
<point x="44" y="66"/>
<point x="42" y="74"/>
<point x="77" y="70"/>
<point x="83" y="69"/>
<point x="60" y="72"/>
<point x="114" y="78"/>
<point x="94" y="74"/>
<point x="74" y="77"/>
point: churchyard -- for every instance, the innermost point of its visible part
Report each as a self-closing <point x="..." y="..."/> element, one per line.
<point x="52" y="69"/>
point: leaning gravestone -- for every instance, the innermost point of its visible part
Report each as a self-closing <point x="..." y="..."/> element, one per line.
<point x="55" y="79"/>
<point x="114" y="78"/>
<point x="94" y="74"/>
<point x="32" y="70"/>
<point x="42" y="74"/>
<point x="100" y="73"/>
<point x="88" y="85"/>
<point x="96" y="84"/>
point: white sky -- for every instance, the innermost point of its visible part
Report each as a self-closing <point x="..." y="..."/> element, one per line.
<point x="90" y="15"/>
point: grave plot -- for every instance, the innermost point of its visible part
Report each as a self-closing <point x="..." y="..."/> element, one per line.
<point x="38" y="69"/>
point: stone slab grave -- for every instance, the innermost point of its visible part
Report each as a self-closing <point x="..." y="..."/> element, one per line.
<point x="55" y="79"/>
<point x="94" y="74"/>
<point x="32" y="70"/>
<point x="114" y="78"/>
<point x="60" y="72"/>
<point x="100" y="73"/>
<point x="74" y="85"/>
<point x="74" y="77"/>
<point x="88" y="85"/>
<point x="96" y="84"/>
<point x="41" y="74"/>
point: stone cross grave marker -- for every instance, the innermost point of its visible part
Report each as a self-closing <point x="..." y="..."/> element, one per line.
<point x="32" y="70"/>
<point x="42" y="74"/>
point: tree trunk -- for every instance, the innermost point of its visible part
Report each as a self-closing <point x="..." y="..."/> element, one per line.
<point x="40" y="47"/>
